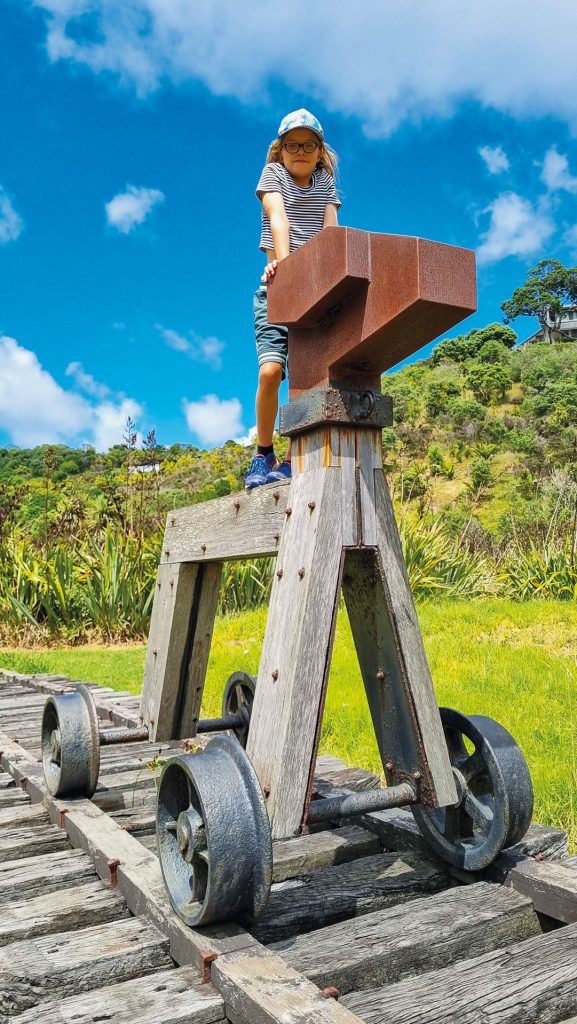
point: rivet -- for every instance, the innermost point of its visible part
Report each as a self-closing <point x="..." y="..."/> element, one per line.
<point x="276" y="537"/>
<point x="279" y="573"/>
<point x="266" y="791"/>
<point x="417" y="776"/>
<point x="203" y="548"/>
<point x="237" y="505"/>
<point x="172" y="583"/>
<point x="312" y="505"/>
<point x="331" y="992"/>
<point x="155" y="653"/>
<point x="113" y="865"/>
<point x="380" y="674"/>
<point x="275" y="674"/>
<point x="288" y="511"/>
<point x="172" y="521"/>
<point x="276" y="495"/>
<point x="301" y="573"/>
<point x="167" y="552"/>
<point x="61" y="815"/>
<point x="159" y="584"/>
<point x="390" y="765"/>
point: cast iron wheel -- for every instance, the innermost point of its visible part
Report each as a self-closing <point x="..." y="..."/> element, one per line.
<point x="213" y="834"/>
<point x="237" y="699"/>
<point x="71" y="744"/>
<point x="495" y="794"/>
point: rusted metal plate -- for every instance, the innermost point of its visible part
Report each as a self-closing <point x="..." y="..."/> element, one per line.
<point x="344" y="332"/>
<point x="335" y="405"/>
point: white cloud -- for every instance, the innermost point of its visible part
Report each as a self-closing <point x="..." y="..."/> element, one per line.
<point x="127" y="209"/>
<point x="35" y="409"/>
<point x="382" y="61"/>
<point x="555" y="172"/>
<point x="109" y="422"/>
<point x="516" y="228"/>
<point x="495" y="158"/>
<point x="86" y="382"/>
<point x="214" y="420"/>
<point x="203" y="350"/>
<point x="247" y="440"/>
<point x="10" y="223"/>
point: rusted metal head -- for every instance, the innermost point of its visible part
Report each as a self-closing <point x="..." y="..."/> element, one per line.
<point x="356" y="303"/>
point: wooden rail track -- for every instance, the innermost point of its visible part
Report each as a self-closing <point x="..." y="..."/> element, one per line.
<point x="362" y="924"/>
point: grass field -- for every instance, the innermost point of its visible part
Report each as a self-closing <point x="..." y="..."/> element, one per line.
<point x="514" y="662"/>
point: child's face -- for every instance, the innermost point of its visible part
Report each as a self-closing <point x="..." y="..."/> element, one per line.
<point x="300" y="164"/>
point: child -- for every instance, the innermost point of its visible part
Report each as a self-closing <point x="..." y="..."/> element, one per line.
<point x="299" y="198"/>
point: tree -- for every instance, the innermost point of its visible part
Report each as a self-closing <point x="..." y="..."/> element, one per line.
<point x="466" y="346"/>
<point x="549" y="288"/>
<point x="487" y="380"/>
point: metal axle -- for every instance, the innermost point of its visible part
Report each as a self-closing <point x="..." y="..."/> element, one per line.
<point x="361" y="803"/>
<point x="110" y="737"/>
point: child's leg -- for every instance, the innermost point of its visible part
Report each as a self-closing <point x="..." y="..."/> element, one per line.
<point x="269" y="380"/>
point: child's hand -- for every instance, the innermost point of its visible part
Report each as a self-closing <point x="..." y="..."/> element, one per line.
<point x="269" y="271"/>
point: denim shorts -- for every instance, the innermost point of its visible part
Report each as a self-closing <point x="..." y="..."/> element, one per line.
<point x="271" y="339"/>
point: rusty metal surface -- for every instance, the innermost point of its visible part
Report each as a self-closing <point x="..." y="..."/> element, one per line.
<point x="335" y="405"/>
<point x="348" y="331"/>
<point x="353" y="804"/>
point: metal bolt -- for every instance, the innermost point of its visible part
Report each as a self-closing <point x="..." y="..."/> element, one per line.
<point x="61" y="815"/>
<point x="417" y="776"/>
<point x="206" y="960"/>
<point x="172" y="583"/>
<point x="276" y="537"/>
<point x="276" y="495"/>
<point x="288" y="511"/>
<point x="279" y="573"/>
<point x="331" y="992"/>
<point x="203" y="548"/>
<point x="266" y="791"/>
<point x="155" y="652"/>
<point x="113" y="865"/>
<point x="159" y="584"/>
<point x="301" y="573"/>
<point x="24" y="782"/>
<point x="167" y="552"/>
<point x="380" y="674"/>
<point x="275" y="674"/>
<point x="172" y="521"/>
<point x="390" y="765"/>
<point x="312" y="505"/>
<point x="237" y="505"/>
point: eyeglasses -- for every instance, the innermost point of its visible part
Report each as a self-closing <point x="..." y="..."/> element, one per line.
<point x="293" y="147"/>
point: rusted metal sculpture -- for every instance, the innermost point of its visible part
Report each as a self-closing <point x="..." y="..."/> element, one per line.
<point x="356" y="303"/>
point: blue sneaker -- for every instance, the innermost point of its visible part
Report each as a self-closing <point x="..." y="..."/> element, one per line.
<point x="259" y="470"/>
<point x="281" y="474"/>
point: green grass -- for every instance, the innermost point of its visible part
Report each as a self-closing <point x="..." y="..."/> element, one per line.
<point x="514" y="662"/>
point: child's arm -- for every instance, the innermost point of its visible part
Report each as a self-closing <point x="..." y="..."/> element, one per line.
<point x="279" y="229"/>
<point x="330" y="218"/>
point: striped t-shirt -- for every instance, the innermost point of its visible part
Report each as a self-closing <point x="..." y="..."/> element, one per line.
<point x="305" y="207"/>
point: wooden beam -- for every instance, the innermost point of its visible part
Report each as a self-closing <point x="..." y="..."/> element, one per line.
<point x="246" y="524"/>
<point x="552" y="886"/>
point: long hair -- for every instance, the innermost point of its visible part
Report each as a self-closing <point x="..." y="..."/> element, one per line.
<point x="327" y="156"/>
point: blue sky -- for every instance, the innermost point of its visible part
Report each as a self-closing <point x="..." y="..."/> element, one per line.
<point x="132" y="134"/>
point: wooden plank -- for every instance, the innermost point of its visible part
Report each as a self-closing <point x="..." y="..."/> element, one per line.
<point x="292" y="857"/>
<point x="297" y="648"/>
<point x="145" y="776"/>
<point x="346" y="891"/>
<point x="183" y="614"/>
<point x="551" y="886"/>
<point x="403" y="941"/>
<point x="409" y="648"/>
<point x="526" y="983"/>
<point x="30" y="842"/>
<point x="166" y="997"/>
<point x="25" y="814"/>
<point x="262" y="989"/>
<point x="89" y="902"/>
<point x="72" y="962"/>
<point x="241" y="525"/>
<point x="27" y="876"/>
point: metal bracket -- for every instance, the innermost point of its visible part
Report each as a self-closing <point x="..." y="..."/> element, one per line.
<point x="328" y="405"/>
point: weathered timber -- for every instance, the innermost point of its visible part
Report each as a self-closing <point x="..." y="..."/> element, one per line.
<point x="312" y="901"/>
<point x="292" y="857"/>
<point x="30" y="842"/>
<point x="168" y="997"/>
<point x="527" y="983"/>
<point x="89" y="902"/>
<point x="297" y="648"/>
<point x="242" y="525"/>
<point x="26" y="814"/>
<point x="75" y="961"/>
<point x="182" y="622"/>
<point x="408" y="657"/>
<point x="12" y="798"/>
<point x="551" y="886"/>
<point x="28" y="876"/>
<point x="144" y="776"/>
<point x="262" y="989"/>
<point x="384" y="947"/>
